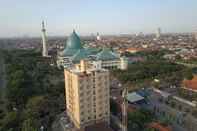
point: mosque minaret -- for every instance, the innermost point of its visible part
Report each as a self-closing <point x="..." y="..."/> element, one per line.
<point x="44" y="41"/>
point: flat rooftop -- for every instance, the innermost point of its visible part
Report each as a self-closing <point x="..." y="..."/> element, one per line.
<point x="134" y="97"/>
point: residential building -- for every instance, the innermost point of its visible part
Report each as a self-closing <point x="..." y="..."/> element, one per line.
<point x="87" y="94"/>
<point x="191" y="85"/>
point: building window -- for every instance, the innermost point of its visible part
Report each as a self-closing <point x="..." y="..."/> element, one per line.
<point x="81" y="94"/>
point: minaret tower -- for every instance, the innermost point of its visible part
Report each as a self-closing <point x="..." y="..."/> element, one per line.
<point x="158" y="33"/>
<point x="98" y="38"/>
<point x="195" y="33"/>
<point x="44" y="41"/>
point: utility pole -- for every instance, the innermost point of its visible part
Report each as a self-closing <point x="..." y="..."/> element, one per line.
<point x="124" y="109"/>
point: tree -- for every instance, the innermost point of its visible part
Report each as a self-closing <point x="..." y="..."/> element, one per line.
<point x="43" y="109"/>
<point x="150" y="69"/>
<point x="137" y="120"/>
<point x="188" y="74"/>
<point x="28" y="125"/>
<point x="36" y="107"/>
<point x="173" y="104"/>
<point x="10" y="121"/>
<point x="166" y="121"/>
<point x="34" y="89"/>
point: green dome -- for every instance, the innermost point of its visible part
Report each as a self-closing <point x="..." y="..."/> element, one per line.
<point x="106" y="54"/>
<point x="73" y="42"/>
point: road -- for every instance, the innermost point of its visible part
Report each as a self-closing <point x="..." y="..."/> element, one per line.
<point x="186" y="64"/>
<point x="166" y="111"/>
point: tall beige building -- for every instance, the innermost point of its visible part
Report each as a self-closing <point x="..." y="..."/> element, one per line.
<point x="87" y="94"/>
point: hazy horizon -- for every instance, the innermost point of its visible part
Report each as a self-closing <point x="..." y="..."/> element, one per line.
<point x="108" y="17"/>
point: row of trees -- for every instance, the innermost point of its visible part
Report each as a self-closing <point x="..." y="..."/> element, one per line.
<point x="34" y="92"/>
<point x="154" y="67"/>
<point x="138" y="120"/>
<point x="150" y="70"/>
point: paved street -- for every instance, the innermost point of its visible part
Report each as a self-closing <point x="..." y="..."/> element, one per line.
<point x="154" y="102"/>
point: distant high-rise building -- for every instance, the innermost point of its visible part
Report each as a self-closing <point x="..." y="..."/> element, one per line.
<point x="87" y="94"/>
<point x="44" y="41"/>
<point x="141" y="34"/>
<point x="195" y="34"/>
<point x="98" y="37"/>
<point x="158" y="33"/>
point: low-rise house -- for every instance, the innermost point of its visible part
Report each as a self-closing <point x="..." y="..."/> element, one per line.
<point x="159" y="127"/>
<point x="191" y="85"/>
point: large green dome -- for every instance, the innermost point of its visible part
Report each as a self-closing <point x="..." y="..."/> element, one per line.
<point x="73" y="42"/>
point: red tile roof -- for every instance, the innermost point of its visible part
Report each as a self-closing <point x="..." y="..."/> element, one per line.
<point x="191" y="84"/>
<point x="159" y="127"/>
<point x="131" y="49"/>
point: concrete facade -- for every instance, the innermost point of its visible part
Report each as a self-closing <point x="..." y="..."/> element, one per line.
<point x="87" y="95"/>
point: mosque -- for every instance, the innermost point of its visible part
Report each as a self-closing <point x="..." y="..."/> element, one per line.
<point x="99" y="58"/>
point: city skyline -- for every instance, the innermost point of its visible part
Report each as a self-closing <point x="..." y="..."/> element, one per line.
<point x="24" y="18"/>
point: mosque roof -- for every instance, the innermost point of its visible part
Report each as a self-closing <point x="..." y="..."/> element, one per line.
<point x="81" y="54"/>
<point x="93" y="50"/>
<point x="75" y="50"/>
<point x="73" y="44"/>
<point x="69" y="52"/>
<point x="106" y="54"/>
<point x="73" y="41"/>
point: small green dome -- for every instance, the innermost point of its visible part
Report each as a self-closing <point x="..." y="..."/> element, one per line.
<point x="106" y="54"/>
<point x="73" y="42"/>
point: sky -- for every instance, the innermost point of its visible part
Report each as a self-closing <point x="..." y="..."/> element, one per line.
<point x="23" y="17"/>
